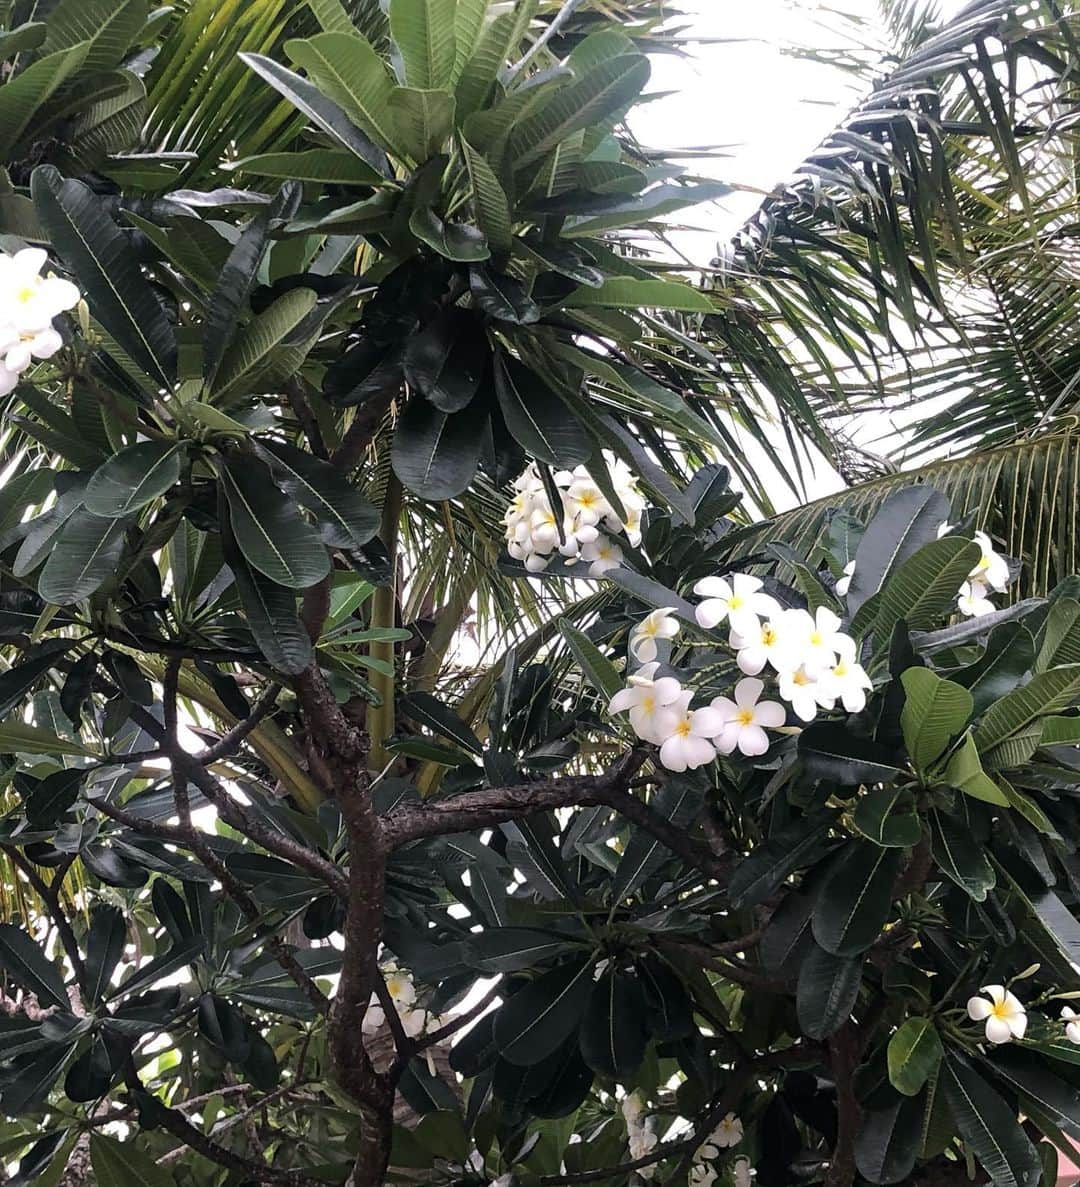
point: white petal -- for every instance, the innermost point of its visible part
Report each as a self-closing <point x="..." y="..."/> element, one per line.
<point x="711" y="613"/>
<point x="1072" y="1033"/>
<point x="998" y="1030"/>
<point x="673" y="754"/>
<point x="728" y="738"/>
<point x="978" y="1009"/>
<point x="1017" y="1023"/>
<point x="747" y="692"/>
<point x="753" y="740"/>
<point x="744" y="584"/>
<point x="713" y="587"/>
<point x="751" y="660"/>
<point x="708" y="722"/>
<point x="625" y="698"/>
<point x="996" y="993"/>
<point x="643" y="648"/>
<point x="770" y="714"/>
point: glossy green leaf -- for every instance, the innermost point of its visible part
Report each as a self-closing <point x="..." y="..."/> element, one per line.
<point x="28" y="966"/>
<point x="107" y="270"/>
<point x="493" y="215"/>
<point x="768" y="866"/>
<point x="678" y="802"/>
<point x="104" y="948"/>
<point x="830" y="751"/>
<point x="935" y="711"/>
<point x="536" y="1020"/>
<point x="826" y="993"/>
<point x="123" y="1164"/>
<point x="272" y="535"/>
<point x="537" y="419"/>
<point x="435" y="454"/>
<point x="253" y="348"/>
<point x="914" y="1053"/>
<point x="132" y="478"/>
<point x="423" y="31"/>
<point x="322" y="112"/>
<point x="599" y="670"/>
<point x="887" y="816"/>
<point x="856" y="899"/>
<point x="344" y="519"/>
<point x="86" y="552"/>
<point x="346" y="68"/>
<point x="1046" y="693"/>
<point x="448" y="360"/>
<point x="906" y="521"/>
<point x="965" y="771"/>
<point x="989" y="1126"/>
<point x="1008" y="657"/>
<point x="509" y="949"/>
<point x="628" y="292"/>
<point x="613" y="1035"/>
<point x="23" y="96"/>
<point x="423" y="119"/>
<point x="431" y="712"/>
<point x="889" y="1140"/>
<point x="959" y="856"/>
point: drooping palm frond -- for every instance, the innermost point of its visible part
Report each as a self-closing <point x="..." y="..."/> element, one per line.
<point x="925" y="251"/>
<point x="1026" y="495"/>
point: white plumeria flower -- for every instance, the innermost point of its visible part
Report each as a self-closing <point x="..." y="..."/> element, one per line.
<point x="688" y="747"/>
<point x="632" y="1107"/>
<point x="843" y="584"/>
<point x="651" y="704"/>
<point x="771" y="644"/>
<point x="739" y="602"/>
<point x="585" y="502"/>
<point x="972" y="601"/>
<point x="1072" y="1024"/>
<point x="817" y="636"/>
<point x="728" y="1133"/>
<point x="642" y="1139"/>
<point x="745" y="719"/>
<point x="992" y="569"/>
<point x="658" y="625"/>
<point x="702" y="1175"/>
<point x="801" y="691"/>
<point x="741" y="1173"/>
<point x="603" y="554"/>
<point x="28" y="300"/>
<point x="8" y="380"/>
<point x="1002" y="1011"/>
<point x="846" y="681"/>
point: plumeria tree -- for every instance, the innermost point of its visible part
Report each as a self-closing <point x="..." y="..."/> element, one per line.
<point x="320" y="324"/>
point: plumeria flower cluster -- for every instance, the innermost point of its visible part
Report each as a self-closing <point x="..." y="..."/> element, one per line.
<point x="727" y="1134"/>
<point x="815" y="662"/>
<point x="640" y="1130"/>
<point x="415" y="1019"/>
<point x="587" y="519"/>
<point x="990" y="575"/>
<point x="28" y="304"/>
<point x="660" y="713"/>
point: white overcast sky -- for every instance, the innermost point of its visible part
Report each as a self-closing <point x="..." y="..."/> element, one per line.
<point x="742" y="90"/>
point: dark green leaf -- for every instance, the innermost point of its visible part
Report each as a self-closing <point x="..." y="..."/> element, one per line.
<point x="430" y="711"/>
<point x="769" y="865"/>
<point x="537" y="419"/>
<point x="856" y="899"/>
<point x="887" y="817"/>
<point x="108" y="271"/>
<point x="502" y="297"/>
<point x="124" y="1164"/>
<point x="907" y="519"/>
<point x="678" y="801"/>
<point x="27" y="965"/>
<point x="132" y="478"/>
<point x="831" y="751"/>
<point x="613" y="1033"/>
<point x="435" y="454"/>
<point x="86" y="552"/>
<point x="889" y="1141"/>
<point x="534" y="1022"/>
<point x="826" y="993"/>
<point x="914" y="1054"/>
<point x="1009" y="656"/>
<point x="344" y="519"/>
<point x="959" y="856"/>
<point x="272" y="535"/>
<point x="989" y="1126"/>
<point x="104" y="947"/>
<point x="447" y="361"/>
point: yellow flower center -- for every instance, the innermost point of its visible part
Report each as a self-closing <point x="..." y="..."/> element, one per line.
<point x="768" y="635"/>
<point x="815" y="639"/>
<point x="682" y="730"/>
<point x="745" y="717"/>
<point x="649" y="629"/>
<point x="841" y="669"/>
<point x="588" y="499"/>
<point x="649" y="704"/>
<point x="1000" y="1010"/>
<point x="25" y="295"/>
<point x="800" y="678"/>
<point x="736" y="602"/>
